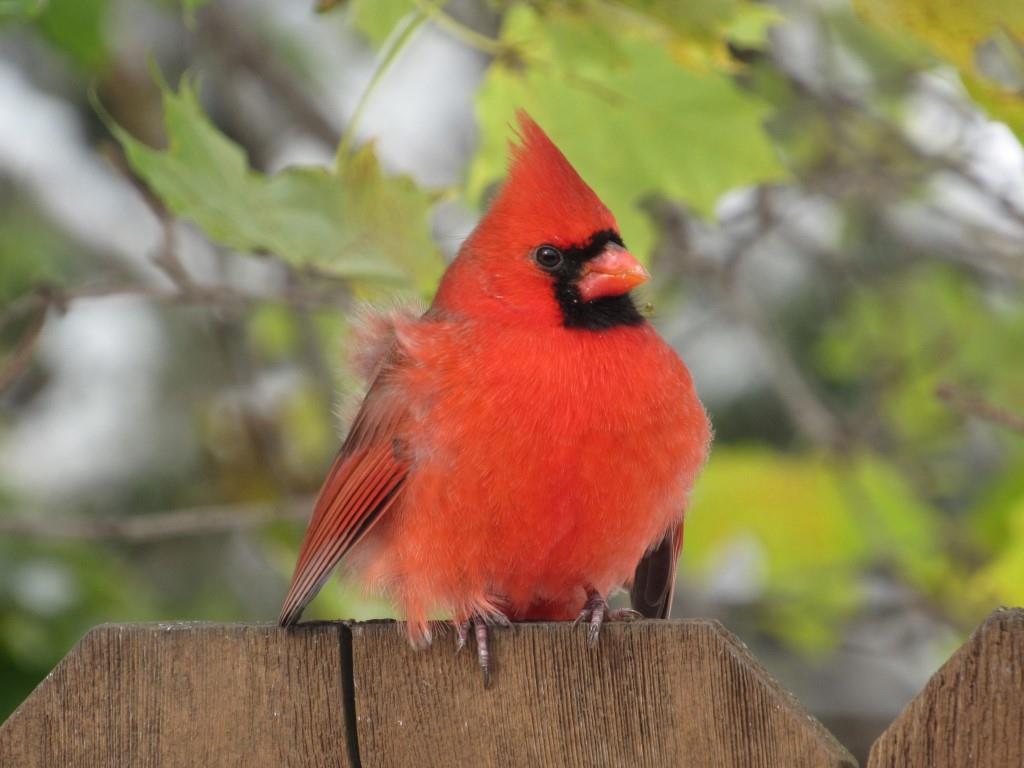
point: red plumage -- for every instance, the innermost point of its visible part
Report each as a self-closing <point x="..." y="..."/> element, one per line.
<point x="525" y="442"/>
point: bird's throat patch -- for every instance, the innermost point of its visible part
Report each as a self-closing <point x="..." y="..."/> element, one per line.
<point x="600" y="314"/>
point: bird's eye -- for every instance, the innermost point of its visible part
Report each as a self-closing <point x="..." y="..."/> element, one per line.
<point x="548" y="257"/>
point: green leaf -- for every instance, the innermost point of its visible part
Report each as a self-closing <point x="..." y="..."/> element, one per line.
<point x="749" y="27"/>
<point x="631" y="118"/>
<point x="78" y="28"/>
<point x="952" y="28"/>
<point x="20" y="10"/>
<point x="376" y="19"/>
<point x="1001" y="104"/>
<point x="32" y="252"/>
<point x="392" y="215"/>
<point x="700" y="31"/>
<point x="356" y="223"/>
<point x="696" y="20"/>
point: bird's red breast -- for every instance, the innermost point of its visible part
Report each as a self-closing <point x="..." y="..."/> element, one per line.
<point x="527" y="440"/>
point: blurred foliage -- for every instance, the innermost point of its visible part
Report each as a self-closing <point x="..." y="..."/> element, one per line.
<point x="812" y="514"/>
<point x="377" y="19"/>
<point x="307" y="216"/>
<point x="76" y="27"/>
<point x="957" y="31"/>
<point x="917" y="334"/>
<point x="653" y="100"/>
<point x="31" y="253"/>
<point x="620" y="71"/>
<point x="954" y="29"/>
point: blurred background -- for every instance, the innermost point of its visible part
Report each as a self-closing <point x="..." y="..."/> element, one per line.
<point x="194" y="195"/>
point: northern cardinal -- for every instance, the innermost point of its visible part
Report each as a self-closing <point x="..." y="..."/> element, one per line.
<point x="525" y="447"/>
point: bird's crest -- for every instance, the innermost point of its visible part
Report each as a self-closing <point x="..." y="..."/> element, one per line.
<point x="544" y="198"/>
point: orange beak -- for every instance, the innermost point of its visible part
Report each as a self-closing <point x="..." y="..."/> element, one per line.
<point x="614" y="272"/>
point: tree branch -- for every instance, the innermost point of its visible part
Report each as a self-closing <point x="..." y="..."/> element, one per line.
<point x="239" y="47"/>
<point x="194" y="521"/>
<point x="973" y="404"/>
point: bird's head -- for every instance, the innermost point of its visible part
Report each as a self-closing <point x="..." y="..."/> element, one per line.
<point x="548" y="251"/>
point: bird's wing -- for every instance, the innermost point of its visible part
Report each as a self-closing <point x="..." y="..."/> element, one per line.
<point x="655" y="577"/>
<point x="363" y="483"/>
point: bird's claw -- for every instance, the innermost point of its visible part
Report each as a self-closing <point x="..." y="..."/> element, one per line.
<point x="594" y="612"/>
<point x="483" y="652"/>
<point x="480" y="631"/>
<point x="461" y="634"/>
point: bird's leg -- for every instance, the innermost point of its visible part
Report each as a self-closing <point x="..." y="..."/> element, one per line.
<point x="461" y="633"/>
<point x="593" y="613"/>
<point x="483" y="652"/>
<point x="480" y="625"/>
<point x="596" y="612"/>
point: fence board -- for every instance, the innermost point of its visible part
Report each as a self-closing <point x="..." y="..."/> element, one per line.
<point x="682" y="693"/>
<point x="187" y="695"/>
<point x="971" y="713"/>
<point x="685" y="694"/>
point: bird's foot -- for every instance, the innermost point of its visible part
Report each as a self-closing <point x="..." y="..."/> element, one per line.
<point x="461" y="634"/>
<point x="483" y="651"/>
<point x="593" y="613"/>
<point x="596" y="612"/>
<point x="480" y="626"/>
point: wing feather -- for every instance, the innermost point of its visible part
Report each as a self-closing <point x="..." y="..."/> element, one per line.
<point x="364" y="482"/>
<point x="655" y="579"/>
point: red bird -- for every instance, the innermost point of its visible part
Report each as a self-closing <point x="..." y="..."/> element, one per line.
<point x="525" y="447"/>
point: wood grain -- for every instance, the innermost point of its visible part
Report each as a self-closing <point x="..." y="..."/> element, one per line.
<point x="971" y="713"/>
<point x="679" y="693"/>
<point x="187" y="695"/>
<point x="685" y="694"/>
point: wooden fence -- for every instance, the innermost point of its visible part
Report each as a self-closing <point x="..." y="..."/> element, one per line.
<point x="675" y="693"/>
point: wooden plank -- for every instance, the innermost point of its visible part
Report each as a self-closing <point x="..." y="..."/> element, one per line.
<point x="684" y="694"/>
<point x="971" y="713"/>
<point x="187" y="695"/>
